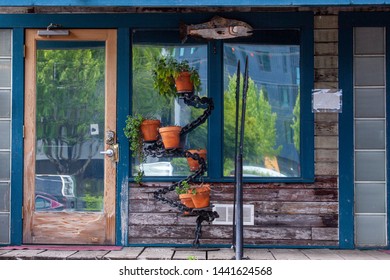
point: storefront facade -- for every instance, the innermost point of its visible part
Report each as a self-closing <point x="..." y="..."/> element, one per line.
<point x="311" y="179"/>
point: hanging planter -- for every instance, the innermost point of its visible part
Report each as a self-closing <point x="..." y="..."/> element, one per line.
<point x="193" y="164"/>
<point x="183" y="82"/>
<point x="170" y="136"/>
<point x="149" y="129"/>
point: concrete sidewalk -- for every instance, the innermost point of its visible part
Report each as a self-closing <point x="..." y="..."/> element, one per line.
<point x="164" y="253"/>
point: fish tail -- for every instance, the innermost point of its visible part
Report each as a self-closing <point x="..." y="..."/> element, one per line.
<point x="183" y="32"/>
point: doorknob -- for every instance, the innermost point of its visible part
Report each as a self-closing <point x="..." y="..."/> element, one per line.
<point x="108" y="152"/>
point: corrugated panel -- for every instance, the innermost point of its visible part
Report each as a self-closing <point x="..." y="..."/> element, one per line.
<point x="188" y="3"/>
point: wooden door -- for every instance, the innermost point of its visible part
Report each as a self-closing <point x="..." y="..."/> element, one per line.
<point x="69" y="133"/>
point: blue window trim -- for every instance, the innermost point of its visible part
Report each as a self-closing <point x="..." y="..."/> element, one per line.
<point x="215" y="90"/>
<point x="347" y="21"/>
<point x="17" y="135"/>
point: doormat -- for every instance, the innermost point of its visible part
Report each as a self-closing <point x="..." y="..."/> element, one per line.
<point x="63" y="248"/>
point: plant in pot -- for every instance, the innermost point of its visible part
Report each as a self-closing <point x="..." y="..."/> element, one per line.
<point x="201" y="198"/>
<point x="185" y="193"/>
<point x="171" y="77"/>
<point x="193" y="164"/>
<point x="170" y="136"/>
<point x="137" y="130"/>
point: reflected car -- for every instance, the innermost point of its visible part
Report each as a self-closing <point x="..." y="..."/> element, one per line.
<point x="61" y="187"/>
<point x="47" y="202"/>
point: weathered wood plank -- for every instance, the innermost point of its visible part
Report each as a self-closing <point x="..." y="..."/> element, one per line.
<point x="228" y="241"/>
<point x="326" y="168"/>
<point x="330" y="48"/>
<point x="325" y="233"/>
<point x="284" y="220"/>
<point x="322" y="155"/>
<point x="211" y="232"/>
<point x="326" y="75"/>
<point x="325" y="22"/>
<point x="313" y="208"/>
<point x="326" y="117"/>
<point x="326" y="142"/>
<point x="326" y="85"/>
<point x="326" y="35"/>
<point x="326" y="62"/>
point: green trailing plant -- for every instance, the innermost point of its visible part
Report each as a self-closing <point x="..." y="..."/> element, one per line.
<point x="132" y="131"/>
<point x="166" y="70"/>
<point x="184" y="188"/>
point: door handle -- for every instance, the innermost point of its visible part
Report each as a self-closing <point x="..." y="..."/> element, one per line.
<point x="108" y="152"/>
<point x="112" y="152"/>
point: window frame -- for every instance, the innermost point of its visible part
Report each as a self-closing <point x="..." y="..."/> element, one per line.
<point x="216" y="88"/>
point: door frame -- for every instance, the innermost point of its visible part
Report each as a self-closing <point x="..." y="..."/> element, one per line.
<point x="108" y="218"/>
<point x="347" y="22"/>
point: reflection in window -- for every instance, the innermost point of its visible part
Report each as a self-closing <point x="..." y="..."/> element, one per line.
<point x="272" y="128"/>
<point x="172" y="111"/>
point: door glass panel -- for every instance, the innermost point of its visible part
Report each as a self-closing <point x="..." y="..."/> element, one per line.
<point x="370" y="134"/>
<point x="272" y="127"/>
<point x="70" y="126"/>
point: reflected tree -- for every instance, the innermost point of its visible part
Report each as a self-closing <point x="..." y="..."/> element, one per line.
<point x="70" y="97"/>
<point x="260" y="129"/>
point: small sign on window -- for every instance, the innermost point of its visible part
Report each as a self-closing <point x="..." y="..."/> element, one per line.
<point x="327" y="100"/>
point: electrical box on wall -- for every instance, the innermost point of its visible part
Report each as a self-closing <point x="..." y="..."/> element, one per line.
<point x="327" y="100"/>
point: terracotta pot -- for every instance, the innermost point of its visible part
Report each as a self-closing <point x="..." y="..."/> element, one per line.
<point x="186" y="199"/>
<point x="202" y="197"/>
<point x="170" y="136"/>
<point x="149" y="129"/>
<point x="194" y="164"/>
<point x="184" y="83"/>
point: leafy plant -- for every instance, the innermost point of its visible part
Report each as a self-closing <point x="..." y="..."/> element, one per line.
<point x="167" y="69"/>
<point x="184" y="187"/>
<point x="132" y="131"/>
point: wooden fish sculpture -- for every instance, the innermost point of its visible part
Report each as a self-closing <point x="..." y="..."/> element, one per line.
<point x="218" y="28"/>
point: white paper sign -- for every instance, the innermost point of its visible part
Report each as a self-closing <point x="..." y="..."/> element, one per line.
<point x="327" y="100"/>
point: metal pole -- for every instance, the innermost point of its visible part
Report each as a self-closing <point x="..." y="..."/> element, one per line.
<point x="239" y="169"/>
<point x="236" y="148"/>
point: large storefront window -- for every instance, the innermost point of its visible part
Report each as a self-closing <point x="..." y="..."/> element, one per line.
<point x="272" y="129"/>
<point x="278" y="119"/>
<point x="171" y="111"/>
